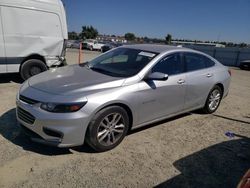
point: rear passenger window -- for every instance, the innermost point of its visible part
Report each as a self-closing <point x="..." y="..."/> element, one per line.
<point x="195" y="62"/>
<point x="170" y="65"/>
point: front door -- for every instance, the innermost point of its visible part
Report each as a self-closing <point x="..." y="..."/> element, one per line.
<point x="158" y="99"/>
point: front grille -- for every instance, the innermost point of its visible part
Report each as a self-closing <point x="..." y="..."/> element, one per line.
<point x="28" y="100"/>
<point x="25" y="116"/>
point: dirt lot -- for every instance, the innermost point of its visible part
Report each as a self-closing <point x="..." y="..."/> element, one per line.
<point x="188" y="151"/>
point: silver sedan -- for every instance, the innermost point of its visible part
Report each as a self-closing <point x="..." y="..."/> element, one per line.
<point x="128" y="87"/>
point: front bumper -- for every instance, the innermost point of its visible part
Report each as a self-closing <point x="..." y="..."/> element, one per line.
<point x="55" y="129"/>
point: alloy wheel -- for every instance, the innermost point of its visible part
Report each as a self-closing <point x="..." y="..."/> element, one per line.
<point x="110" y="129"/>
<point x="214" y="99"/>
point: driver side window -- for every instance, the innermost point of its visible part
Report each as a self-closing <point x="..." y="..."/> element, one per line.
<point x="171" y="65"/>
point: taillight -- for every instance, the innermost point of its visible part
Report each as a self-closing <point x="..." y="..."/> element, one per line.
<point x="230" y="72"/>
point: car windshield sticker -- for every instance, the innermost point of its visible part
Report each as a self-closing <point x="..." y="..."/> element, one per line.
<point x="148" y="54"/>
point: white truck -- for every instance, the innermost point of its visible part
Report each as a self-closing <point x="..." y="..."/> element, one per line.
<point x="33" y="36"/>
<point x="92" y="44"/>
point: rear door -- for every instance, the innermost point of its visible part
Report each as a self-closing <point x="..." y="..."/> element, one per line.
<point x="2" y="48"/>
<point x="199" y="79"/>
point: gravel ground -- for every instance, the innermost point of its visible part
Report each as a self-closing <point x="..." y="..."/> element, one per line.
<point x="188" y="151"/>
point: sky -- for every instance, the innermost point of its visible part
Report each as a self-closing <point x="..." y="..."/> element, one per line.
<point x="223" y="20"/>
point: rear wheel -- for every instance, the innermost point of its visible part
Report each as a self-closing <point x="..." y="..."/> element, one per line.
<point x="32" y="67"/>
<point x="213" y="100"/>
<point x="108" y="128"/>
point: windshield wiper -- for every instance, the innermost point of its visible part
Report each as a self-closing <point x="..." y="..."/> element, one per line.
<point x="104" y="71"/>
<point x="98" y="69"/>
<point x="86" y="64"/>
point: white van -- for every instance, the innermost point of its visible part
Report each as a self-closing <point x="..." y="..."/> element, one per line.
<point x="32" y="36"/>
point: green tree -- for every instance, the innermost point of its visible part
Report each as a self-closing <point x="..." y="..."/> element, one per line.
<point x="88" y="32"/>
<point x="130" y="36"/>
<point x="243" y="45"/>
<point x="73" y="36"/>
<point x="168" y="39"/>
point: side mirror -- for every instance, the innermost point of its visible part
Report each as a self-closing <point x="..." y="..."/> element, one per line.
<point x="157" y="76"/>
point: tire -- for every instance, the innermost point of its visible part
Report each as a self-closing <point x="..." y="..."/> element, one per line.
<point x="32" y="67"/>
<point x="242" y="67"/>
<point x="214" y="95"/>
<point x="106" y="139"/>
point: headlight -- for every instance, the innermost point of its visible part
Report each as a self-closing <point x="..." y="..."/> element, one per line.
<point x="62" y="108"/>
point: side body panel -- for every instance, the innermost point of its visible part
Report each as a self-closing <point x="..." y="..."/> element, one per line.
<point x="2" y="48"/>
<point x="33" y="28"/>
<point x="160" y="98"/>
<point x="199" y="83"/>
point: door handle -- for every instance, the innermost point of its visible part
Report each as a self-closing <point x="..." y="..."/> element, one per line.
<point x="209" y="75"/>
<point x="181" y="81"/>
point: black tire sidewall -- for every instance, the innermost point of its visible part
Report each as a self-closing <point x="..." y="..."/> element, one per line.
<point x="27" y="65"/>
<point x="206" y="107"/>
<point x="91" y="136"/>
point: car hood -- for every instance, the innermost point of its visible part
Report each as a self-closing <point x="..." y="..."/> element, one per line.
<point x="72" y="80"/>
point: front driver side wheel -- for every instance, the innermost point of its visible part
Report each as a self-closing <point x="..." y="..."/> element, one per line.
<point x="108" y="128"/>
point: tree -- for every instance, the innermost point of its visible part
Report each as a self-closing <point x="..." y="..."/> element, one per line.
<point x="168" y="39"/>
<point x="130" y="36"/>
<point x="73" y="36"/>
<point x="88" y="32"/>
<point x="243" y="45"/>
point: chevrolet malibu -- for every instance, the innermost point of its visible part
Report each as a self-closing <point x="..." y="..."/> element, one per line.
<point x="128" y="87"/>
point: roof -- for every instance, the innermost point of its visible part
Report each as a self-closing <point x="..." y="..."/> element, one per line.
<point x="29" y="3"/>
<point x="157" y="48"/>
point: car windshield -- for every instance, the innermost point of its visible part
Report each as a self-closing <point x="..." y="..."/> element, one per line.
<point x="121" y="62"/>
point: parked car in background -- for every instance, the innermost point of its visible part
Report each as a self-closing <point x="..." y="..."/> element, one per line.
<point x="110" y="45"/>
<point x="32" y="36"/>
<point x="76" y="44"/>
<point x="245" y="65"/>
<point x="91" y="44"/>
<point x="69" y="43"/>
<point x="125" y="88"/>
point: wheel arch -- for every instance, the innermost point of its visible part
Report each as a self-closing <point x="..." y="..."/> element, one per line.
<point x="125" y="107"/>
<point x="221" y="86"/>
<point x="33" y="56"/>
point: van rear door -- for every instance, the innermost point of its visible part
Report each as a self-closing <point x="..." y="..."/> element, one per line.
<point x="2" y="48"/>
